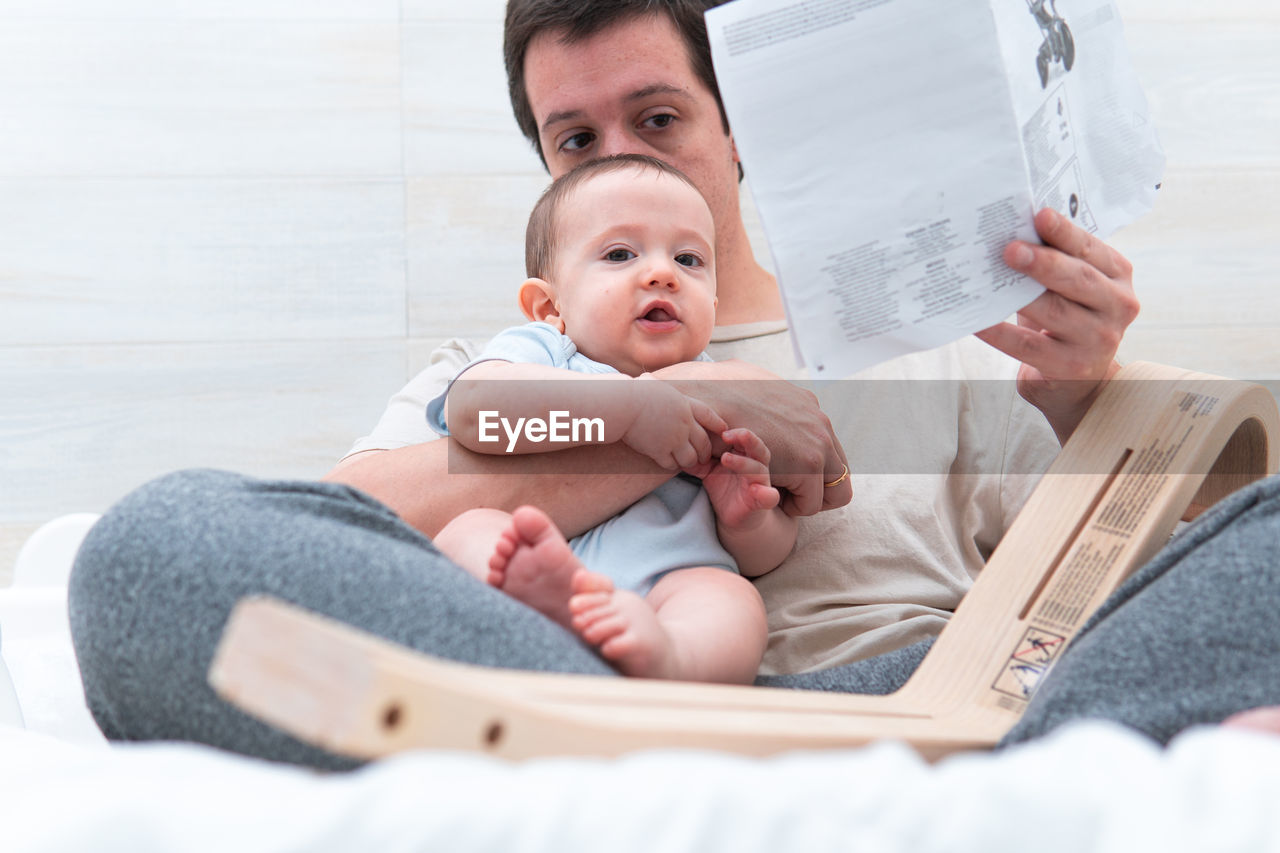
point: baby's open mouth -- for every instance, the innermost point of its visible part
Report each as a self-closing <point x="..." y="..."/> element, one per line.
<point x="659" y="314"/>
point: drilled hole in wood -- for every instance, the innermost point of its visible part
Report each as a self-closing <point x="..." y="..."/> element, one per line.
<point x="392" y="715"/>
<point x="493" y="734"/>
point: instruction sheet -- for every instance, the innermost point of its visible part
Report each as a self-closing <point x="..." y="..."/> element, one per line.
<point x="895" y="147"/>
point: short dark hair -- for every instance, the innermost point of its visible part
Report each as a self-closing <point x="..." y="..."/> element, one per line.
<point x="540" y="235"/>
<point x="581" y="19"/>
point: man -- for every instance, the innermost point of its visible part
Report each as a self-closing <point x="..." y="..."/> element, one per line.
<point x="593" y="79"/>
<point x="157" y="577"/>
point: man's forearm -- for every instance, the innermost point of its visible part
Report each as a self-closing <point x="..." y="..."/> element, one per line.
<point x="429" y="484"/>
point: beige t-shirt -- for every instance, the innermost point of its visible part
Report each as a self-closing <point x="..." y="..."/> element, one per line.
<point x="943" y="453"/>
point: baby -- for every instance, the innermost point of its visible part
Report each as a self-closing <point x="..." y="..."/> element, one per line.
<point x="620" y="254"/>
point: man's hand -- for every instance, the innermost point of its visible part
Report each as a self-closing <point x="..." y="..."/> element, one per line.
<point x="805" y="451"/>
<point x="738" y="481"/>
<point x="1067" y="338"/>
<point x="670" y="428"/>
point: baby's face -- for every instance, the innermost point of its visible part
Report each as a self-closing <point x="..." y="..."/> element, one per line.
<point x="634" y="270"/>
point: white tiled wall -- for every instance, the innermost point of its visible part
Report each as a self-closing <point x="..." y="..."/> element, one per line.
<point x="1207" y="259"/>
<point x="229" y="229"/>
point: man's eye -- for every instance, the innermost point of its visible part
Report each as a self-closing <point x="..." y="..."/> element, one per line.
<point x="578" y="141"/>
<point x="619" y="255"/>
<point x="686" y="259"/>
<point x="660" y="121"/>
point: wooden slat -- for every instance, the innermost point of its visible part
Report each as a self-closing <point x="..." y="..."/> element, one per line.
<point x="444" y="10"/>
<point x="82" y="426"/>
<point x="1247" y="353"/>
<point x="125" y="10"/>
<point x="200" y="260"/>
<point x="199" y="97"/>
<point x="456" y="289"/>
<point x="457" y="116"/>
<point x="1209" y="84"/>
<point x="1197" y="10"/>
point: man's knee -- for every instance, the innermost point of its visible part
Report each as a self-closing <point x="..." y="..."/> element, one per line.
<point x="144" y="526"/>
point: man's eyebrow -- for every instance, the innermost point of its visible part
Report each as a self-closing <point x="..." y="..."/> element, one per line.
<point x="556" y="118"/>
<point x="655" y="89"/>
<point x="637" y="95"/>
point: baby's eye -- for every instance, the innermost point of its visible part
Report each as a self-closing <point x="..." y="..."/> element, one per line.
<point x="619" y="255"/>
<point x="688" y="259"/>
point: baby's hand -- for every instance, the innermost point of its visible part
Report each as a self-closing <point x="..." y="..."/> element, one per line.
<point x="738" y="482"/>
<point x="670" y="428"/>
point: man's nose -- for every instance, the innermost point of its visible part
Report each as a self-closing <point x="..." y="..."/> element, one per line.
<point x="620" y="142"/>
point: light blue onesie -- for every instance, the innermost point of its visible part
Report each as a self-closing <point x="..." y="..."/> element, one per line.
<point x="672" y="527"/>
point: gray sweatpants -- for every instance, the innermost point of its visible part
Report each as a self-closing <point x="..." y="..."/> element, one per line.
<point x="1191" y="638"/>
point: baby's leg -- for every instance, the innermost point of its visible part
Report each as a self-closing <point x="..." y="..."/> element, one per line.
<point x="700" y="624"/>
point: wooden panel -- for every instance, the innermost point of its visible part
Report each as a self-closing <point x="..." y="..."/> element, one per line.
<point x="1239" y="353"/>
<point x="443" y="10"/>
<point x="12" y="538"/>
<point x="1213" y="89"/>
<point x="118" y="10"/>
<point x="1199" y="10"/>
<point x="457" y="116"/>
<point x="213" y="97"/>
<point x="1206" y="255"/>
<point x="82" y="426"/>
<point x="466" y="252"/>
<point x="1205" y="259"/>
<point x="120" y="260"/>
<point x="418" y="353"/>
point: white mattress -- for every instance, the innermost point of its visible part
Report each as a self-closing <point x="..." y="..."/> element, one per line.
<point x="1090" y="787"/>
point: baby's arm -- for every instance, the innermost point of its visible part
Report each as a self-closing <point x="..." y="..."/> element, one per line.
<point x="751" y="525"/>
<point x="646" y="414"/>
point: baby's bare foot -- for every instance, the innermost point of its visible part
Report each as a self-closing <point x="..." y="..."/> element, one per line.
<point x="622" y="626"/>
<point x="532" y="563"/>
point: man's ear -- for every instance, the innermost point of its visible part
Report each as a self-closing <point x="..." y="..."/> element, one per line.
<point x="538" y="302"/>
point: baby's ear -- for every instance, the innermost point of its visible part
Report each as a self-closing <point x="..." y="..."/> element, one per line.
<point x="538" y="302"/>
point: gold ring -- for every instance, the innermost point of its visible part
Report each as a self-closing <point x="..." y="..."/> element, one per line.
<point x="844" y="475"/>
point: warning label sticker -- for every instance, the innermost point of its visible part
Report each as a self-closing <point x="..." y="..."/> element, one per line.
<point x="1029" y="662"/>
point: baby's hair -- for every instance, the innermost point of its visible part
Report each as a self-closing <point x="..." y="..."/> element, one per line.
<point x="540" y="236"/>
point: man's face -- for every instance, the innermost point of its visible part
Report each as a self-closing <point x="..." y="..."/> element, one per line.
<point x="629" y="89"/>
<point x="634" y="270"/>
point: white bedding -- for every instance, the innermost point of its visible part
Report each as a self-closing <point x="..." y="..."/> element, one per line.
<point x="1090" y="787"/>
